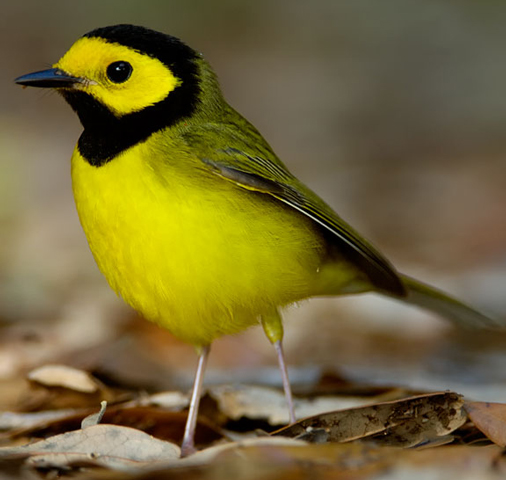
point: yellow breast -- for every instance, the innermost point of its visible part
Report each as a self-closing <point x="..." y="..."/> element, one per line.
<point x="196" y="254"/>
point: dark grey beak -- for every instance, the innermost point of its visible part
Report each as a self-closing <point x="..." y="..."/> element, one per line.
<point x="52" y="78"/>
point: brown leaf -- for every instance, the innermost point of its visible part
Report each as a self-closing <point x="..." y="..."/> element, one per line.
<point x="205" y="456"/>
<point x="351" y="461"/>
<point x="406" y="423"/>
<point x="12" y="423"/>
<point x="101" y="445"/>
<point x="331" y="383"/>
<point x="60" y="386"/>
<point x="258" y="402"/>
<point x="285" y="462"/>
<point x="64" y="376"/>
<point x="94" y="418"/>
<point x="489" y="418"/>
<point x="451" y="462"/>
<point x="160" y="423"/>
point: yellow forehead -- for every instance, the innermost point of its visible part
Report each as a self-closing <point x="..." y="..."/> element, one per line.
<point x="150" y="81"/>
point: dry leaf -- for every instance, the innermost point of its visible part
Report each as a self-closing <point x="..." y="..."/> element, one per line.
<point x="289" y="462"/>
<point x="66" y="377"/>
<point x="94" y="418"/>
<point x="162" y="424"/>
<point x="256" y="402"/>
<point x="173" y="400"/>
<point x="489" y="418"/>
<point x="28" y="421"/>
<point x="204" y="457"/>
<point x="259" y="459"/>
<point x="350" y="461"/>
<point x="60" y="386"/>
<point x="409" y="422"/>
<point x="101" y="445"/>
<point x="452" y="462"/>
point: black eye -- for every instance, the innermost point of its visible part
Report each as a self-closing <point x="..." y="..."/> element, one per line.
<point x="119" y="72"/>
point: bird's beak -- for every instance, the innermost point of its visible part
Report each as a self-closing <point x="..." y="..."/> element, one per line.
<point x="52" y="78"/>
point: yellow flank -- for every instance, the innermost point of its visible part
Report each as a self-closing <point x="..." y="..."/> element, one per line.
<point x="150" y="82"/>
<point x="198" y="255"/>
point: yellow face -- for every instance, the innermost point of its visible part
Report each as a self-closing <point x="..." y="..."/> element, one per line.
<point x="119" y="77"/>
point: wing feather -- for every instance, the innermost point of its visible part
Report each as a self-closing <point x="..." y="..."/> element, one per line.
<point x="262" y="171"/>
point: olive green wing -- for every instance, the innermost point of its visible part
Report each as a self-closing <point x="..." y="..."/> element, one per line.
<point x="263" y="172"/>
<point x="256" y="173"/>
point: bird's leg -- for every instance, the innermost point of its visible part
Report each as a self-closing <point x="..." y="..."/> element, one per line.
<point x="286" y="382"/>
<point x="188" y="445"/>
<point x="273" y="328"/>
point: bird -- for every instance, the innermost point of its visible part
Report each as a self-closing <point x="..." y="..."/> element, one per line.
<point x="190" y="215"/>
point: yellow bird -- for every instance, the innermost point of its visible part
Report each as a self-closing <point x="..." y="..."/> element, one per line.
<point x="190" y="215"/>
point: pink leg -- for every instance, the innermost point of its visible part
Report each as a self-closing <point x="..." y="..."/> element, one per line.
<point x="188" y="445"/>
<point x="286" y="382"/>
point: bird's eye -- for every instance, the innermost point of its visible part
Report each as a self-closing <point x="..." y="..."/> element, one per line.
<point x="119" y="72"/>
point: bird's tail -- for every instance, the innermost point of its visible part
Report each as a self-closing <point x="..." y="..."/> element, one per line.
<point x="430" y="298"/>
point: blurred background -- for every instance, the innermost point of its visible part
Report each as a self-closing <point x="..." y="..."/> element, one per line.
<point x="393" y="111"/>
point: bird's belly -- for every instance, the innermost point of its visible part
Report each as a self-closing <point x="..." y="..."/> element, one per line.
<point x="202" y="259"/>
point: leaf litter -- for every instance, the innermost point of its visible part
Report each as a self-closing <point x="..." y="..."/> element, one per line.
<point x="139" y="436"/>
<point x="52" y="426"/>
<point x="109" y="446"/>
<point x="404" y="423"/>
<point x="489" y="418"/>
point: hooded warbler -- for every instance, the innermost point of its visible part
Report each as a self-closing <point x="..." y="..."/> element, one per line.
<point x="190" y="215"/>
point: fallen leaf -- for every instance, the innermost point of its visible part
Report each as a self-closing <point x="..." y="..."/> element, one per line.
<point x="489" y="418"/>
<point x="66" y="377"/>
<point x="162" y="424"/>
<point x="269" y="404"/>
<point x="94" y="418"/>
<point x="254" y="460"/>
<point x="409" y="422"/>
<point x="101" y="445"/>
<point x="28" y="421"/>
<point x="60" y="386"/>
<point x="204" y="457"/>
<point x="173" y="400"/>
<point x="451" y="462"/>
<point x="332" y="383"/>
